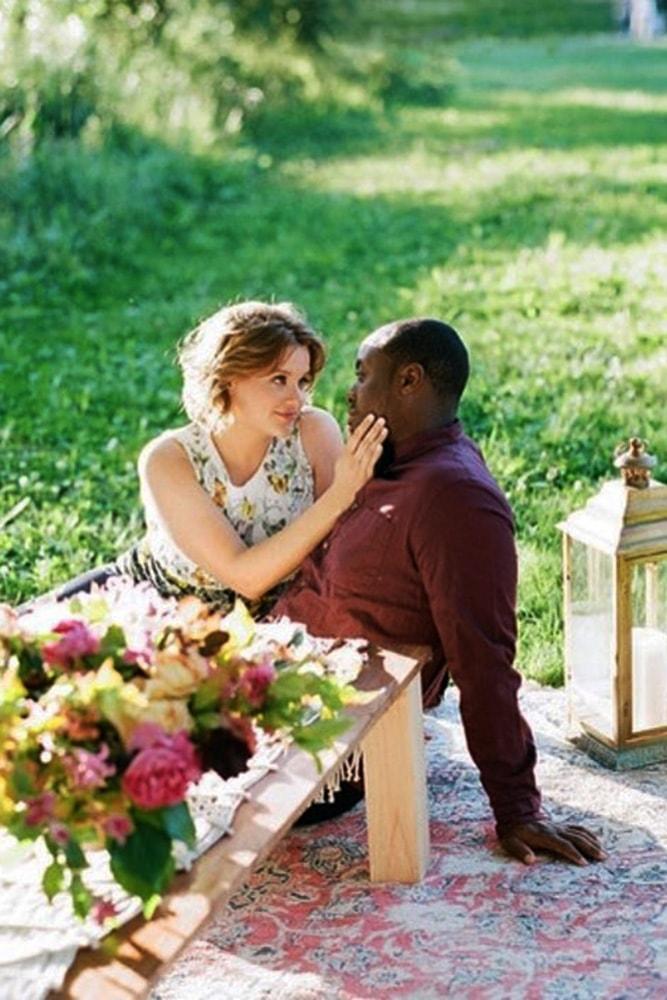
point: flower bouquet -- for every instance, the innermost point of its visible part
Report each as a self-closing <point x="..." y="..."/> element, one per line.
<point x="114" y="702"/>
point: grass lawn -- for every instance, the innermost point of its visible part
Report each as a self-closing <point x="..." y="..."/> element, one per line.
<point x="514" y="186"/>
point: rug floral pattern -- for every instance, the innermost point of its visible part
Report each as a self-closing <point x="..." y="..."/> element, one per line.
<point x="310" y="926"/>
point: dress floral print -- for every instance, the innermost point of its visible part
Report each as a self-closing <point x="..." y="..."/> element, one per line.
<point x="280" y="490"/>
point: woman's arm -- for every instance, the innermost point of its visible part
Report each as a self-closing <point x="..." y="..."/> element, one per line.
<point x="197" y="526"/>
<point x="322" y="443"/>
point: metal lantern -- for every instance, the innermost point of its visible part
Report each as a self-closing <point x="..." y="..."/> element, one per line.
<point x="615" y="572"/>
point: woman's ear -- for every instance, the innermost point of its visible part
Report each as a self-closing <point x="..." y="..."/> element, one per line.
<point x="410" y="378"/>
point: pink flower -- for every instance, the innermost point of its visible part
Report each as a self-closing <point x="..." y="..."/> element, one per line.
<point x="149" y="734"/>
<point x="89" y="770"/>
<point x="162" y="770"/>
<point x="140" y="656"/>
<point x="77" y="641"/>
<point x="103" y="910"/>
<point x="118" y="827"/>
<point x="59" y="834"/>
<point x="40" y="808"/>
<point x="255" y="682"/>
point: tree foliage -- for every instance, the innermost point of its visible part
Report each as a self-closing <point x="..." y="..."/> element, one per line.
<point x="73" y="61"/>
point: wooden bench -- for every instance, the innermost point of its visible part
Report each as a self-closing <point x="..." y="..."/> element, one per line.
<point x="389" y="730"/>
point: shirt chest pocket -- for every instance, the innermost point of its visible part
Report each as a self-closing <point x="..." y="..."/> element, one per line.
<point x="361" y="553"/>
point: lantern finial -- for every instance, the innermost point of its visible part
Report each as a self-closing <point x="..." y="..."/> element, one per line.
<point x="635" y="463"/>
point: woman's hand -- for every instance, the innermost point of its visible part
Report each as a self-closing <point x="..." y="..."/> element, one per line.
<point x="354" y="467"/>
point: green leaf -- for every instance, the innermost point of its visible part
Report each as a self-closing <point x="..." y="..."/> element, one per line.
<point x="206" y="698"/>
<point x="147" y="817"/>
<point x="113" y="641"/>
<point x="31" y="669"/>
<point x="209" y="720"/>
<point x="74" y="855"/>
<point x="178" y="823"/>
<point x="21" y="782"/>
<point x="320" y="734"/>
<point x="81" y="897"/>
<point x="175" y="821"/>
<point x="290" y="686"/>
<point x="53" y="879"/>
<point x="18" y="828"/>
<point x="151" y="905"/>
<point x="143" y="864"/>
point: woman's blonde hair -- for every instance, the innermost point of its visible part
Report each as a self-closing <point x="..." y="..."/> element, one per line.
<point x="237" y="341"/>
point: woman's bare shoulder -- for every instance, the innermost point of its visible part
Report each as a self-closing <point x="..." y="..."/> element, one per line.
<point x="162" y="452"/>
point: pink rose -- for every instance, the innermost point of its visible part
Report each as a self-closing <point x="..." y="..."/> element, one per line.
<point x="89" y="770"/>
<point x="255" y="682"/>
<point x="160" y="773"/>
<point x="77" y="641"/>
<point x="118" y="827"/>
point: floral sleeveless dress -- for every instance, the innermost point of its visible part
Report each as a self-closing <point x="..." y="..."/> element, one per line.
<point x="280" y="490"/>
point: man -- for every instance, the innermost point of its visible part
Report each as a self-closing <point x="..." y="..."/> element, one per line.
<point x="426" y="555"/>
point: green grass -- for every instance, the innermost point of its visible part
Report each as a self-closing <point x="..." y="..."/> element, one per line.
<point x="515" y="186"/>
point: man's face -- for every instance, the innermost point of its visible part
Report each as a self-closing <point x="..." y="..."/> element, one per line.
<point x="371" y="392"/>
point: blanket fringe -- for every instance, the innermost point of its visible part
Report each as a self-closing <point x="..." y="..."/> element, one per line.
<point x="347" y="770"/>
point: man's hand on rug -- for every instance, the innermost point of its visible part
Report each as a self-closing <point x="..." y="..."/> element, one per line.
<point x="575" y="843"/>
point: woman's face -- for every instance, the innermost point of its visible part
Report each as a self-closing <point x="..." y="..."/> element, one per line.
<point x="270" y="402"/>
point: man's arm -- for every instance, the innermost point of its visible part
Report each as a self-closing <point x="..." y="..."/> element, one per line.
<point x="466" y="554"/>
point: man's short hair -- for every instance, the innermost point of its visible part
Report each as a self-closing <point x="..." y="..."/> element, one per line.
<point x="434" y="345"/>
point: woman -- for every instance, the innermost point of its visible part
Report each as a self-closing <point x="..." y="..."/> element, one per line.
<point x="237" y="498"/>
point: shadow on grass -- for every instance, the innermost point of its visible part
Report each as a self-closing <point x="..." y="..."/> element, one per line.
<point x="560" y="93"/>
<point x="431" y="20"/>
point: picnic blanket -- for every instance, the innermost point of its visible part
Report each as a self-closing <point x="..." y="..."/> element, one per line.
<point x="310" y="926"/>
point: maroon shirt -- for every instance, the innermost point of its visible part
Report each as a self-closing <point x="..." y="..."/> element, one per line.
<point x="426" y="555"/>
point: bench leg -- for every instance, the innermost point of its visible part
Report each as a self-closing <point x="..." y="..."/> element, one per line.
<point x="395" y="780"/>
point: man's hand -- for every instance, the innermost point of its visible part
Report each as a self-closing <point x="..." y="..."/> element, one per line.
<point x="575" y="843"/>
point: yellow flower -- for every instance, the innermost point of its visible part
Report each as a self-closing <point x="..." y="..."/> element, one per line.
<point x="247" y="510"/>
<point x="279" y="483"/>
<point x="219" y="493"/>
<point x="128" y="707"/>
<point x="241" y="628"/>
<point x="202" y="578"/>
<point x="175" y="674"/>
<point x="125" y="707"/>
<point x="169" y="713"/>
<point x="6" y="804"/>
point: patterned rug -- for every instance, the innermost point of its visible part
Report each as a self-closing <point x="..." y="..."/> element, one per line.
<point x="310" y="926"/>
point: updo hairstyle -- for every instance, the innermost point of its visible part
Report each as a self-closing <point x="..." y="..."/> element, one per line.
<point x="237" y="341"/>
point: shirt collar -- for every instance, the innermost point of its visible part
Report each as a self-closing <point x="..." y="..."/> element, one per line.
<point x="424" y="441"/>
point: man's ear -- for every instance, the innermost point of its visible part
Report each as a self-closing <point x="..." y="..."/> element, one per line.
<point x="410" y="378"/>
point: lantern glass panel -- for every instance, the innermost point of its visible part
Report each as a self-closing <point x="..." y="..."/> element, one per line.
<point x="591" y="638"/>
<point x="649" y="645"/>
